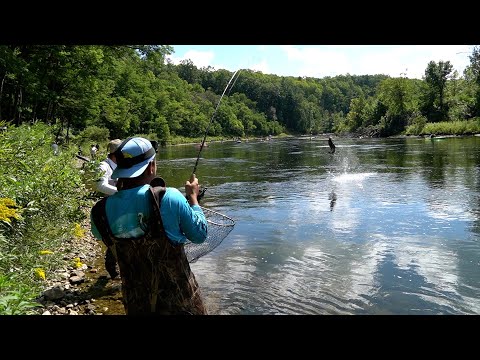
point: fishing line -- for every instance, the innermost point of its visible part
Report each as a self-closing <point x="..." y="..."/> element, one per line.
<point x="231" y="87"/>
<point x="219" y="225"/>
<point x="211" y="120"/>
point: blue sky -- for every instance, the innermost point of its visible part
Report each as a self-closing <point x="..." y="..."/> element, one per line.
<point x="325" y="60"/>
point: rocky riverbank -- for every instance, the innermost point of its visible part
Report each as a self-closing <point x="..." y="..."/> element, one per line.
<point x="82" y="286"/>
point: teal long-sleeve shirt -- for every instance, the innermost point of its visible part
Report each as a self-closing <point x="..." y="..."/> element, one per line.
<point x="129" y="211"/>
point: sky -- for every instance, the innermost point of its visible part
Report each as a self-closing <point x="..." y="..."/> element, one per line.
<point x="319" y="61"/>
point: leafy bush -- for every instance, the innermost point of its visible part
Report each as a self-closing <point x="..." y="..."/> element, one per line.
<point x="465" y="127"/>
<point x="416" y="126"/>
<point x="15" y="300"/>
<point x="94" y="134"/>
<point x="49" y="193"/>
<point x="90" y="173"/>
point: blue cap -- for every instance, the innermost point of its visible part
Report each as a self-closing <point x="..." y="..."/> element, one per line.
<point x="133" y="157"/>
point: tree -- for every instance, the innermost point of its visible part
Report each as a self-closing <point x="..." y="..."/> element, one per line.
<point x="436" y="75"/>
<point x="189" y="72"/>
<point x="475" y="71"/>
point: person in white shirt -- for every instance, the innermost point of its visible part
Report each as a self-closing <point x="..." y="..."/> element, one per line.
<point x="108" y="186"/>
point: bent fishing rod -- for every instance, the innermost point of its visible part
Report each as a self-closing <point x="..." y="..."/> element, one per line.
<point x="211" y="119"/>
<point x="202" y="192"/>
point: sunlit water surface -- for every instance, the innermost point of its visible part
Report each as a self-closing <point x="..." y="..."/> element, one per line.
<point x="383" y="226"/>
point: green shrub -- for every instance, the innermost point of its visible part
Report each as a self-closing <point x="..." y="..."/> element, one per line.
<point x="49" y="194"/>
<point x="417" y="123"/>
<point x="90" y="173"/>
<point x="94" y="135"/>
<point x="15" y="300"/>
<point x="465" y="127"/>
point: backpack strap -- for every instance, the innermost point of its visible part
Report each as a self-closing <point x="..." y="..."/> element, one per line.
<point x="157" y="192"/>
<point x="99" y="217"/>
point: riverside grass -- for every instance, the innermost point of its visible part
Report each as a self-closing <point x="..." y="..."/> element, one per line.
<point x="461" y="127"/>
<point x="42" y="204"/>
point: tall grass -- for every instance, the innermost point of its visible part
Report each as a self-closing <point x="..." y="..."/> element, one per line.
<point x="48" y="197"/>
<point x="464" y="127"/>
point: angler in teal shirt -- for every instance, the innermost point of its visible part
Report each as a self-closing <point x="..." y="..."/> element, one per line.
<point x="129" y="211"/>
<point x="156" y="277"/>
<point x="131" y="208"/>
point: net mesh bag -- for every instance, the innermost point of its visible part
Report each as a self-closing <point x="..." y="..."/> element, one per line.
<point x="219" y="226"/>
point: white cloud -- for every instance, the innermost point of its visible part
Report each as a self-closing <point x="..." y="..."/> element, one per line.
<point x="375" y="59"/>
<point x="414" y="59"/>
<point x="261" y="66"/>
<point x="199" y="58"/>
<point x="331" y="60"/>
<point x="317" y="62"/>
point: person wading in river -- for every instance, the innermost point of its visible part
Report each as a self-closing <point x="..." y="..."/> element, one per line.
<point x="146" y="226"/>
<point x="107" y="186"/>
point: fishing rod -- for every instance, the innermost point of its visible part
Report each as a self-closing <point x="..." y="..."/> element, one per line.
<point x="202" y="191"/>
<point x="219" y="225"/>
<point x="211" y="120"/>
<point x="231" y="87"/>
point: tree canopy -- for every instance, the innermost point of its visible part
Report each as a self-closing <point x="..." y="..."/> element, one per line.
<point x="134" y="90"/>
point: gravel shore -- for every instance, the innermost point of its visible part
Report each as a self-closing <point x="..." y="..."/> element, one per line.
<point x="85" y="289"/>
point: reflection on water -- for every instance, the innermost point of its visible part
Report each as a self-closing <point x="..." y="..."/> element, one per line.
<point x="380" y="227"/>
<point x="333" y="198"/>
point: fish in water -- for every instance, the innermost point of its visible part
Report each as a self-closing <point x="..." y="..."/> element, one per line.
<point x="332" y="145"/>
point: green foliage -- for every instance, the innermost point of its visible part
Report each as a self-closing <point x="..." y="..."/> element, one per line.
<point x="49" y="193"/>
<point x="354" y="118"/>
<point x="419" y="126"/>
<point x="161" y="129"/>
<point x="94" y="93"/>
<point x="94" y="135"/>
<point x="466" y="127"/>
<point x="436" y="75"/>
<point x="14" y="299"/>
<point x="416" y="126"/>
<point x="90" y="173"/>
<point x="460" y="95"/>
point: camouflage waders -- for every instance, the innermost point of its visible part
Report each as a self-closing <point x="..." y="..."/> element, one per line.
<point x="156" y="276"/>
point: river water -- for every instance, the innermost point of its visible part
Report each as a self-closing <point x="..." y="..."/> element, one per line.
<point x="383" y="226"/>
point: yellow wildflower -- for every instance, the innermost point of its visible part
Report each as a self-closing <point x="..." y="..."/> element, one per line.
<point x="45" y="252"/>
<point x="78" y="231"/>
<point x="8" y="210"/>
<point x="39" y="273"/>
<point x="77" y="263"/>
<point x="7" y="202"/>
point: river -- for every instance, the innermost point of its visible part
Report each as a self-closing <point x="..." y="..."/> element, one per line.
<point x="383" y="226"/>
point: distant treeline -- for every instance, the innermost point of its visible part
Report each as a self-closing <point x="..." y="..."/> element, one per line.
<point x="118" y="91"/>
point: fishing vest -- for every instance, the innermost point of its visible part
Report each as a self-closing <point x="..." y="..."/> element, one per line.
<point x="156" y="275"/>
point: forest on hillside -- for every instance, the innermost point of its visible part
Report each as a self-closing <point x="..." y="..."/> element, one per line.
<point x="92" y="91"/>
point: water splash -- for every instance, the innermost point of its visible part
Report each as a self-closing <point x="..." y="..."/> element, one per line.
<point x="356" y="178"/>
